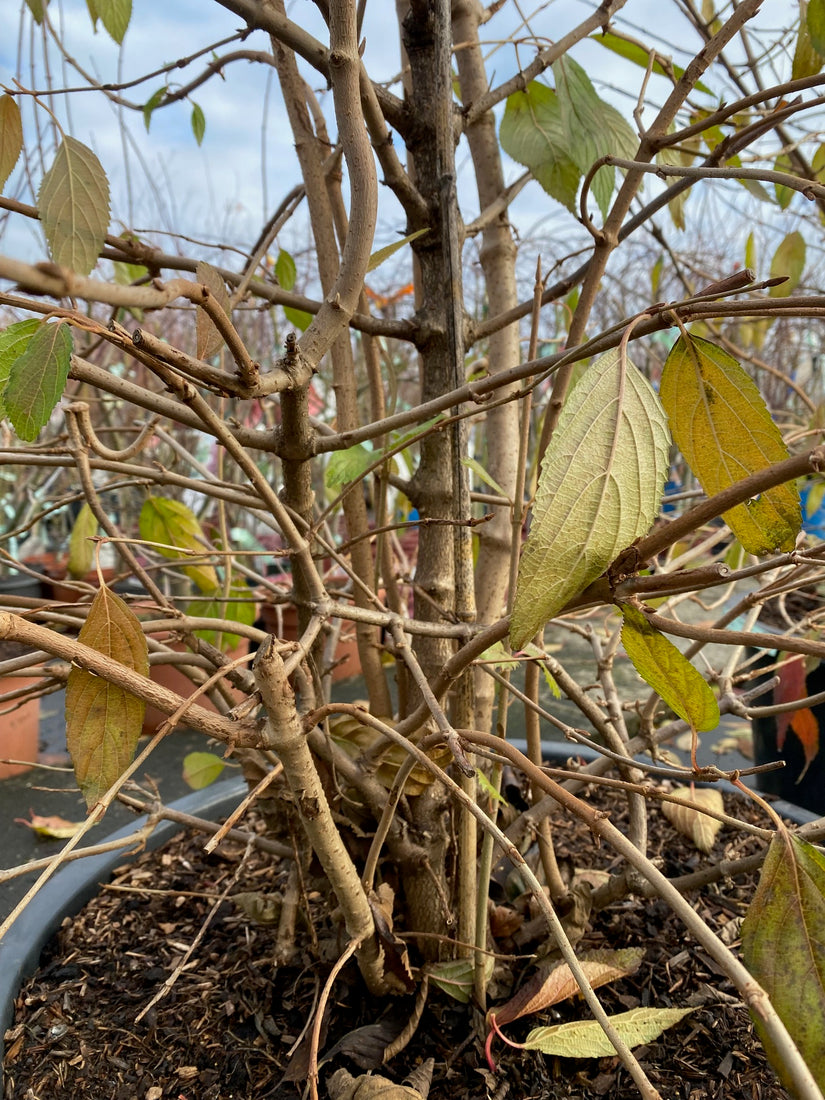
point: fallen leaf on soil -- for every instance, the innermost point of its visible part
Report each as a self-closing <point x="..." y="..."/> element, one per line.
<point x="585" y="1038"/>
<point x="693" y="823"/>
<point x="343" y="1086"/>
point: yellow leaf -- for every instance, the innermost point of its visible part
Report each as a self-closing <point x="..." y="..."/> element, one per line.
<point x="81" y="549"/>
<point x="690" y="821"/>
<point x="723" y="428"/>
<point x="103" y="721"/>
<point x="50" y="827"/>
<point x="208" y="339"/>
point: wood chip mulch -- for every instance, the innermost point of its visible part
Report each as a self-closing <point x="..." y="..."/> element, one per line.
<point x="227" y="1026"/>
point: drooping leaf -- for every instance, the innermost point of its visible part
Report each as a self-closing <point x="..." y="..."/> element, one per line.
<point x="37" y="7"/>
<point x="171" y="523"/>
<point x="115" y="16"/>
<point x="239" y="608"/>
<point x="382" y="254"/>
<point x="585" y="1039"/>
<point x="11" y="137"/>
<point x="208" y="339"/>
<point x="81" y="548"/>
<point x="784" y="194"/>
<point x="549" y="987"/>
<point x="656" y="275"/>
<point x="633" y="51"/>
<point x="91" y="7"/>
<point x="198" y="123"/>
<point x="792" y="686"/>
<point x="789" y="260"/>
<point x="806" y="61"/>
<point x="816" y="25"/>
<point x="37" y="379"/>
<point x="532" y="133"/>
<point x="285" y="270"/>
<point x="201" y="769"/>
<point x="668" y="671"/>
<point x="482" y="475"/>
<point x="783" y="945"/>
<point x="298" y="317"/>
<point x="750" y="252"/>
<point x="151" y="103"/>
<point x="600" y="486"/>
<point x="348" y="465"/>
<point x="73" y="204"/>
<point x="676" y="206"/>
<point x="724" y="430"/>
<point x="103" y="722"/>
<point x="593" y="128"/>
<point x="690" y="821"/>
<point x="13" y="342"/>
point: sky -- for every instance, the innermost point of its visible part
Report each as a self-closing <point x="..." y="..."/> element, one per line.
<point x="227" y="187"/>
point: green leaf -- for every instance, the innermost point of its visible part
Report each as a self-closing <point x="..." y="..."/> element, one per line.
<point x="783" y="194"/>
<point x="724" y="430"/>
<point x="126" y="274"/>
<point x="208" y="340"/>
<point x="298" y="317"/>
<point x="599" y="489"/>
<point x="37" y="379"/>
<point x="593" y="128"/>
<point x="661" y="665"/>
<point x="378" y="257"/>
<point x="455" y="977"/>
<point x="238" y="608"/>
<point x="816" y="25"/>
<point x="13" y="342"/>
<point x="91" y="7"/>
<point x="349" y="465"/>
<point x="37" y="8"/>
<point x="115" y="16"/>
<point x="806" y="60"/>
<point x="585" y="1039"/>
<point x="532" y="133"/>
<point x="11" y="137"/>
<point x="151" y="103"/>
<point x="483" y="476"/>
<point x="285" y="270"/>
<point x="789" y="259"/>
<point x="103" y="722"/>
<point x="633" y="51"/>
<point x="783" y="945"/>
<point x="172" y="524"/>
<point x="73" y="204"/>
<point x="750" y="252"/>
<point x="198" y="123"/>
<point x="656" y="275"/>
<point x="81" y="549"/>
<point x="201" y="769"/>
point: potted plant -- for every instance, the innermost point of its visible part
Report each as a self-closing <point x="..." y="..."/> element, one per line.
<point x="389" y="817"/>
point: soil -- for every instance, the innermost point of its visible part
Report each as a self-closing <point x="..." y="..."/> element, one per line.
<point x="228" y="1025"/>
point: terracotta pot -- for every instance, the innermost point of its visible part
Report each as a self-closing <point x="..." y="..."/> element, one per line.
<point x="171" y="677"/>
<point x="282" y="620"/>
<point x="19" y="726"/>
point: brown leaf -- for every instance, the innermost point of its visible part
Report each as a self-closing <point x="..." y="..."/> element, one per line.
<point x="548" y="987"/>
<point x="103" y="721"/>
<point x="690" y="821"/>
<point x="396" y="962"/>
<point x="343" y="1086"/>
<point x="50" y="826"/>
<point x="208" y="339"/>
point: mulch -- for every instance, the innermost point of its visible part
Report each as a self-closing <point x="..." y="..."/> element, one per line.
<point x="229" y="1025"/>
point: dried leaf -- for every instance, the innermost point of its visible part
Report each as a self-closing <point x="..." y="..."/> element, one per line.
<point x="722" y="426"/>
<point x="50" y="827"/>
<point x="792" y="686"/>
<point x="264" y="909"/>
<point x="668" y="671"/>
<point x="73" y="204"/>
<point x="548" y="987"/>
<point x="691" y="822"/>
<point x="37" y="379"/>
<point x="343" y="1086"/>
<point x="396" y="961"/>
<point x="783" y="945"/>
<point x="200" y="769"/>
<point x="585" y="1038"/>
<point x="103" y="722"/>
<point x="171" y="523"/>
<point x="11" y="137"/>
<point x="600" y="486"/>
<point x="81" y="548"/>
<point x="208" y="340"/>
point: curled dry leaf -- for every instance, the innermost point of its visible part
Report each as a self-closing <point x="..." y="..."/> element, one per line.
<point x="343" y="1086"/>
<point x="690" y="820"/>
<point x="50" y="827"/>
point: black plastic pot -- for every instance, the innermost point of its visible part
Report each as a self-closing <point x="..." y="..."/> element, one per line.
<point x="809" y="790"/>
<point x="78" y="882"/>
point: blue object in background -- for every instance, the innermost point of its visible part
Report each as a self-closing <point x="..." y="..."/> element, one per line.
<point x="813" y="523"/>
